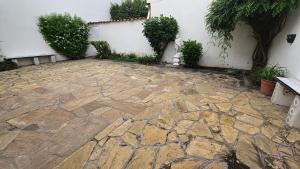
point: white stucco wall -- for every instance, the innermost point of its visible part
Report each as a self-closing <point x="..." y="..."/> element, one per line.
<point x="19" y="34"/>
<point x="190" y="15"/>
<point x="123" y="37"/>
<point x="285" y="54"/>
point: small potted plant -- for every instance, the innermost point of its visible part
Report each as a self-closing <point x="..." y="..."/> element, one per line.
<point x="267" y="77"/>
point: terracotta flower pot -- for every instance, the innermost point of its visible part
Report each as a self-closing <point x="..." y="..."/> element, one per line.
<point x="267" y="87"/>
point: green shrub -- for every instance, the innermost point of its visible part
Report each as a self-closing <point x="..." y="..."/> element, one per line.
<point x="65" y="34"/>
<point x="129" y="9"/>
<point x="124" y="57"/>
<point x="147" y="60"/>
<point x="103" y="49"/>
<point x="7" y="65"/>
<point x="191" y="52"/>
<point x="160" y="31"/>
<point x="268" y="73"/>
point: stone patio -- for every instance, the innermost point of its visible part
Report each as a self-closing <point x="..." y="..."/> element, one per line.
<point x="100" y="114"/>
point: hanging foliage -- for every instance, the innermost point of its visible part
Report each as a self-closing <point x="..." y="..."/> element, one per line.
<point x="266" y="17"/>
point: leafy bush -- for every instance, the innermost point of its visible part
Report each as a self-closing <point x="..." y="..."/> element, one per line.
<point x="160" y="31"/>
<point x="7" y="65"/>
<point x="65" y="34"/>
<point x="102" y="48"/>
<point x="147" y="60"/>
<point x="191" y="52"/>
<point x="268" y="73"/>
<point x="129" y="9"/>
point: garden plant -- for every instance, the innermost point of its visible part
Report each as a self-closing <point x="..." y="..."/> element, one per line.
<point x="103" y="49"/>
<point x="129" y="9"/>
<point x="160" y="31"/>
<point x="266" y="17"/>
<point x="66" y="34"/>
<point x="191" y="52"/>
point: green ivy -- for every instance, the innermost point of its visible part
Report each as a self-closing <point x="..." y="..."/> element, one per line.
<point x="160" y="31"/>
<point x="65" y="34"/>
<point x="191" y="52"/>
<point x="129" y="9"/>
<point x="266" y="17"/>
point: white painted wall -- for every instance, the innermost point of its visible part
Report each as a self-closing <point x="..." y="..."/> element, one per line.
<point x="123" y="37"/>
<point x="190" y="15"/>
<point x="285" y="54"/>
<point x="19" y="34"/>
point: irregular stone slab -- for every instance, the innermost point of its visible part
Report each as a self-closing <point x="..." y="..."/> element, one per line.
<point x="205" y="148"/>
<point x="96" y="153"/>
<point x="114" y="155"/>
<point x="183" y="125"/>
<point x="143" y="159"/>
<point x="163" y="121"/>
<point x="200" y="129"/>
<point x="168" y="153"/>
<point x="227" y="120"/>
<point x="101" y="110"/>
<point x="172" y="136"/>
<point x="224" y="107"/>
<point x="293" y="136"/>
<point x="269" y="130"/>
<point x="153" y="135"/>
<point x="137" y="127"/>
<point x="188" y="164"/>
<point x="27" y="119"/>
<point x="74" y="104"/>
<point x="191" y="107"/>
<point x="218" y="165"/>
<point x="184" y="138"/>
<point x="7" y="137"/>
<point x="229" y="134"/>
<point x="247" y="109"/>
<point x="250" y="120"/>
<point x="108" y="129"/>
<point x="247" y="154"/>
<point x="246" y="127"/>
<point x="212" y="120"/>
<point x="264" y="144"/>
<point x="193" y="116"/>
<point x="130" y="139"/>
<point x="121" y="129"/>
<point x="78" y="159"/>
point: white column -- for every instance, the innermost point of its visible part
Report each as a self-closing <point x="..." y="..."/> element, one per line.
<point x="36" y="61"/>
<point x="282" y="96"/>
<point x="53" y="58"/>
<point x="293" y="119"/>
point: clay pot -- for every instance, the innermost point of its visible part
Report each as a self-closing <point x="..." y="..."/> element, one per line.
<point x="267" y="87"/>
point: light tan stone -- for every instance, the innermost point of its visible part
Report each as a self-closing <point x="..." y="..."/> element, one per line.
<point x="163" y="121"/>
<point x="264" y="144"/>
<point x="101" y="110"/>
<point x="246" y="127"/>
<point x="154" y="135"/>
<point x="114" y="155"/>
<point x="220" y="98"/>
<point x="184" y="138"/>
<point x="188" y="164"/>
<point x="224" y="107"/>
<point x="142" y="159"/>
<point x="247" y="154"/>
<point x="74" y="104"/>
<point x="172" y="136"/>
<point x="204" y="148"/>
<point x="229" y="133"/>
<point x="247" y="109"/>
<point x="269" y="131"/>
<point x="78" y="159"/>
<point x="183" y="125"/>
<point x="121" y="129"/>
<point x="6" y="138"/>
<point x="96" y="153"/>
<point x="193" y="116"/>
<point x="250" y="120"/>
<point x="227" y="120"/>
<point x="293" y="136"/>
<point x="108" y="129"/>
<point x="137" y="127"/>
<point x="212" y="120"/>
<point x="102" y="141"/>
<point x="218" y="165"/>
<point x="168" y="153"/>
<point x="130" y="139"/>
<point x="191" y="107"/>
<point x="200" y="129"/>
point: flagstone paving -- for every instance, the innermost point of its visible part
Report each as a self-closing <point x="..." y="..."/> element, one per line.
<point x="92" y="114"/>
